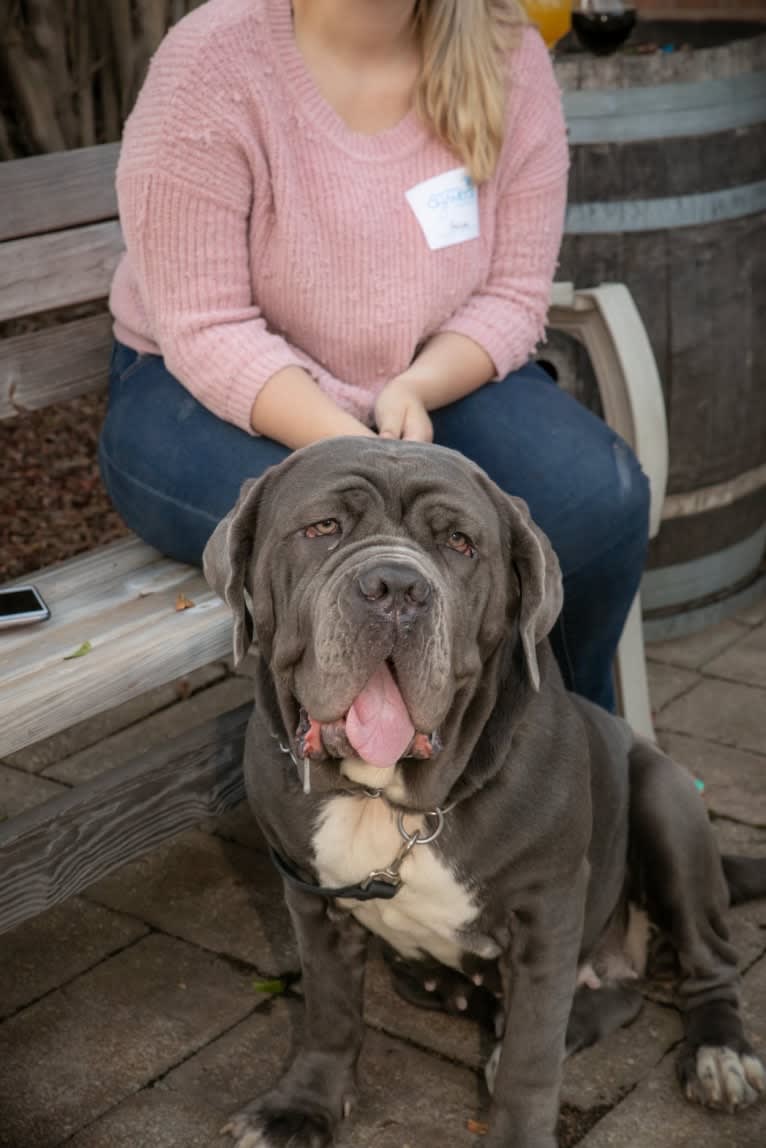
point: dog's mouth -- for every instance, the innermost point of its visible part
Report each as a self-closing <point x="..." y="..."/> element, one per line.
<point x="376" y="727"/>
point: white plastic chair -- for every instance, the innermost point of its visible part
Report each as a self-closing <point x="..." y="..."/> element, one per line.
<point x="606" y="321"/>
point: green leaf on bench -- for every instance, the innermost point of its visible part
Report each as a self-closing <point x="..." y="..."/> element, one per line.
<point x="80" y="652"/>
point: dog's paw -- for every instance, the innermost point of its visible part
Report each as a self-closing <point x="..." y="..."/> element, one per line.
<point x="265" y="1125"/>
<point x="720" y="1078"/>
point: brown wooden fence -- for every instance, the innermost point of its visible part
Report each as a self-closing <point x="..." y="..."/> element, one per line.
<point x="70" y="69"/>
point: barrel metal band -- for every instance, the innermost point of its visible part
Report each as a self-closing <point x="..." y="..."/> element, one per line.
<point x="662" y="111"/>
<point x="607" y="216"/>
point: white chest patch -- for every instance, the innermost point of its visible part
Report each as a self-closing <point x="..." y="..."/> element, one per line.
<point x="356" y="835"/>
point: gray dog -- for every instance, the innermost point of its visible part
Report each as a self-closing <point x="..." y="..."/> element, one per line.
<point x="444" y="791"/>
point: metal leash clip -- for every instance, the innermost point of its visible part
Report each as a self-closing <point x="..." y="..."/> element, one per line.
<point x="391" y="875"/>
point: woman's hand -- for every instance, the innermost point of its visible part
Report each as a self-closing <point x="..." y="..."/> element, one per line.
<point x="291" y="409"/>
<point x="401" y="413"/>
<point x="449" y="366"/>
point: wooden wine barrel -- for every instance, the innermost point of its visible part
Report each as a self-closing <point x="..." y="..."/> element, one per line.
<point x="668" y="195"/>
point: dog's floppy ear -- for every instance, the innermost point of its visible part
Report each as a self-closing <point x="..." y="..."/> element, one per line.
<point x="227" y="556"/>
<point x="540" y="577"/>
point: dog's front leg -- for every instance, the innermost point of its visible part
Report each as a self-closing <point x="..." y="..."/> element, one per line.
<point x="541" y="974"/>
<point x="305" y="1107"/>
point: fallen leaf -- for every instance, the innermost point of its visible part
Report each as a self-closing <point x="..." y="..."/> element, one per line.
<point x="183" y="603"/>
<point x="478" y="1127"/>
<point x="80" y="652"/>
<point x="274" y="987"/>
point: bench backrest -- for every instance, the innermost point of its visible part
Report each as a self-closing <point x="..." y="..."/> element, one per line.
<point x="59" y="244"/>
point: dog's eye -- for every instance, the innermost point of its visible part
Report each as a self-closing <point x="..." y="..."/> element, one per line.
<point x="462" y="543"/>
<point x="322" y="529"/>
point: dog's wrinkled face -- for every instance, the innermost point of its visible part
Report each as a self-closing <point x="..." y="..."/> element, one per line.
<point x="382" y="575"/>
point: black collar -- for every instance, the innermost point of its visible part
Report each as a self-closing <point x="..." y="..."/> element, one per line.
<point x="370" y="890"/>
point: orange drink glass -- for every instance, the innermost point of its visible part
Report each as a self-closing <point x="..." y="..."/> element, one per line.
<point x="552" y="17"/>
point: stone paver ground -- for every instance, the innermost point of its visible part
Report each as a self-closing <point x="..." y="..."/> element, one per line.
<point x="135" y="1016"/>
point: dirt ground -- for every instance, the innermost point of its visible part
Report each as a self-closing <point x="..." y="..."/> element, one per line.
<point x="52" y="501"/>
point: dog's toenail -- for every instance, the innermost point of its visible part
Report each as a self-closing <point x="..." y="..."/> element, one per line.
<point x="461" y="1003"/>
<point x="478" y="978"/>
<point x="430" y="986"/>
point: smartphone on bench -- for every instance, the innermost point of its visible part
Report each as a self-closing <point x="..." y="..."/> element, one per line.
<point x="21" y="606"/>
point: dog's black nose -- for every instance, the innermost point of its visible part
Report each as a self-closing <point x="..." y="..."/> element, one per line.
<point x="395" y="589"/>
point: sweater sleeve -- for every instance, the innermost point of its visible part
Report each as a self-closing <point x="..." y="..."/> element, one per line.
<point x="190" y="182"/>
<point x="506" y="315"/>
<point x="192" y="252"/>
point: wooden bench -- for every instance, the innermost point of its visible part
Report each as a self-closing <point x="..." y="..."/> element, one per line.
<point x="59" y="243"/>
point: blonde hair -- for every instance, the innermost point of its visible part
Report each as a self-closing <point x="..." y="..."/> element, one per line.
<point x="461" y="93"/>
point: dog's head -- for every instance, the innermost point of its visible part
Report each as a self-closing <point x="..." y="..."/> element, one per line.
<point x="381" y="578"/>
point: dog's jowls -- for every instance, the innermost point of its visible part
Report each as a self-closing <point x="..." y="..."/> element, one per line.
<point x="397" y="605"/>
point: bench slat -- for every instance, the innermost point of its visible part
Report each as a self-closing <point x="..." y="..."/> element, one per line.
<point x="122" y="599"/>
<point x="106" y="627"/>
<point x="64" y="845"/>
<point x="54" y="365"/>
<point x="85" y="589"/>
<point x="68" y="585"/>
<point x="120" y="557"/>
<point x="35" y="706"/>
<point x="58" y="270"/>
<point x="63" y="189"/>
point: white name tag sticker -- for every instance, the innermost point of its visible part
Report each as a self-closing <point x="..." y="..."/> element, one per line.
<point x="447" y="208"/>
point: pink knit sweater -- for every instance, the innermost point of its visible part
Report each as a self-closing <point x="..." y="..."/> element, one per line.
<point x="261" y="232"/>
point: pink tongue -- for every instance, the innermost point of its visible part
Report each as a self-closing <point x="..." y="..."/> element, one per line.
<point x="378" y="725"/>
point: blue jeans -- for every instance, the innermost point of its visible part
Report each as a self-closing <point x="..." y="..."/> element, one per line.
<point x="173" y="470"/>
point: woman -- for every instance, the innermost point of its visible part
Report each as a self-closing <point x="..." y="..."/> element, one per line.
<point x="343" y="217"/>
